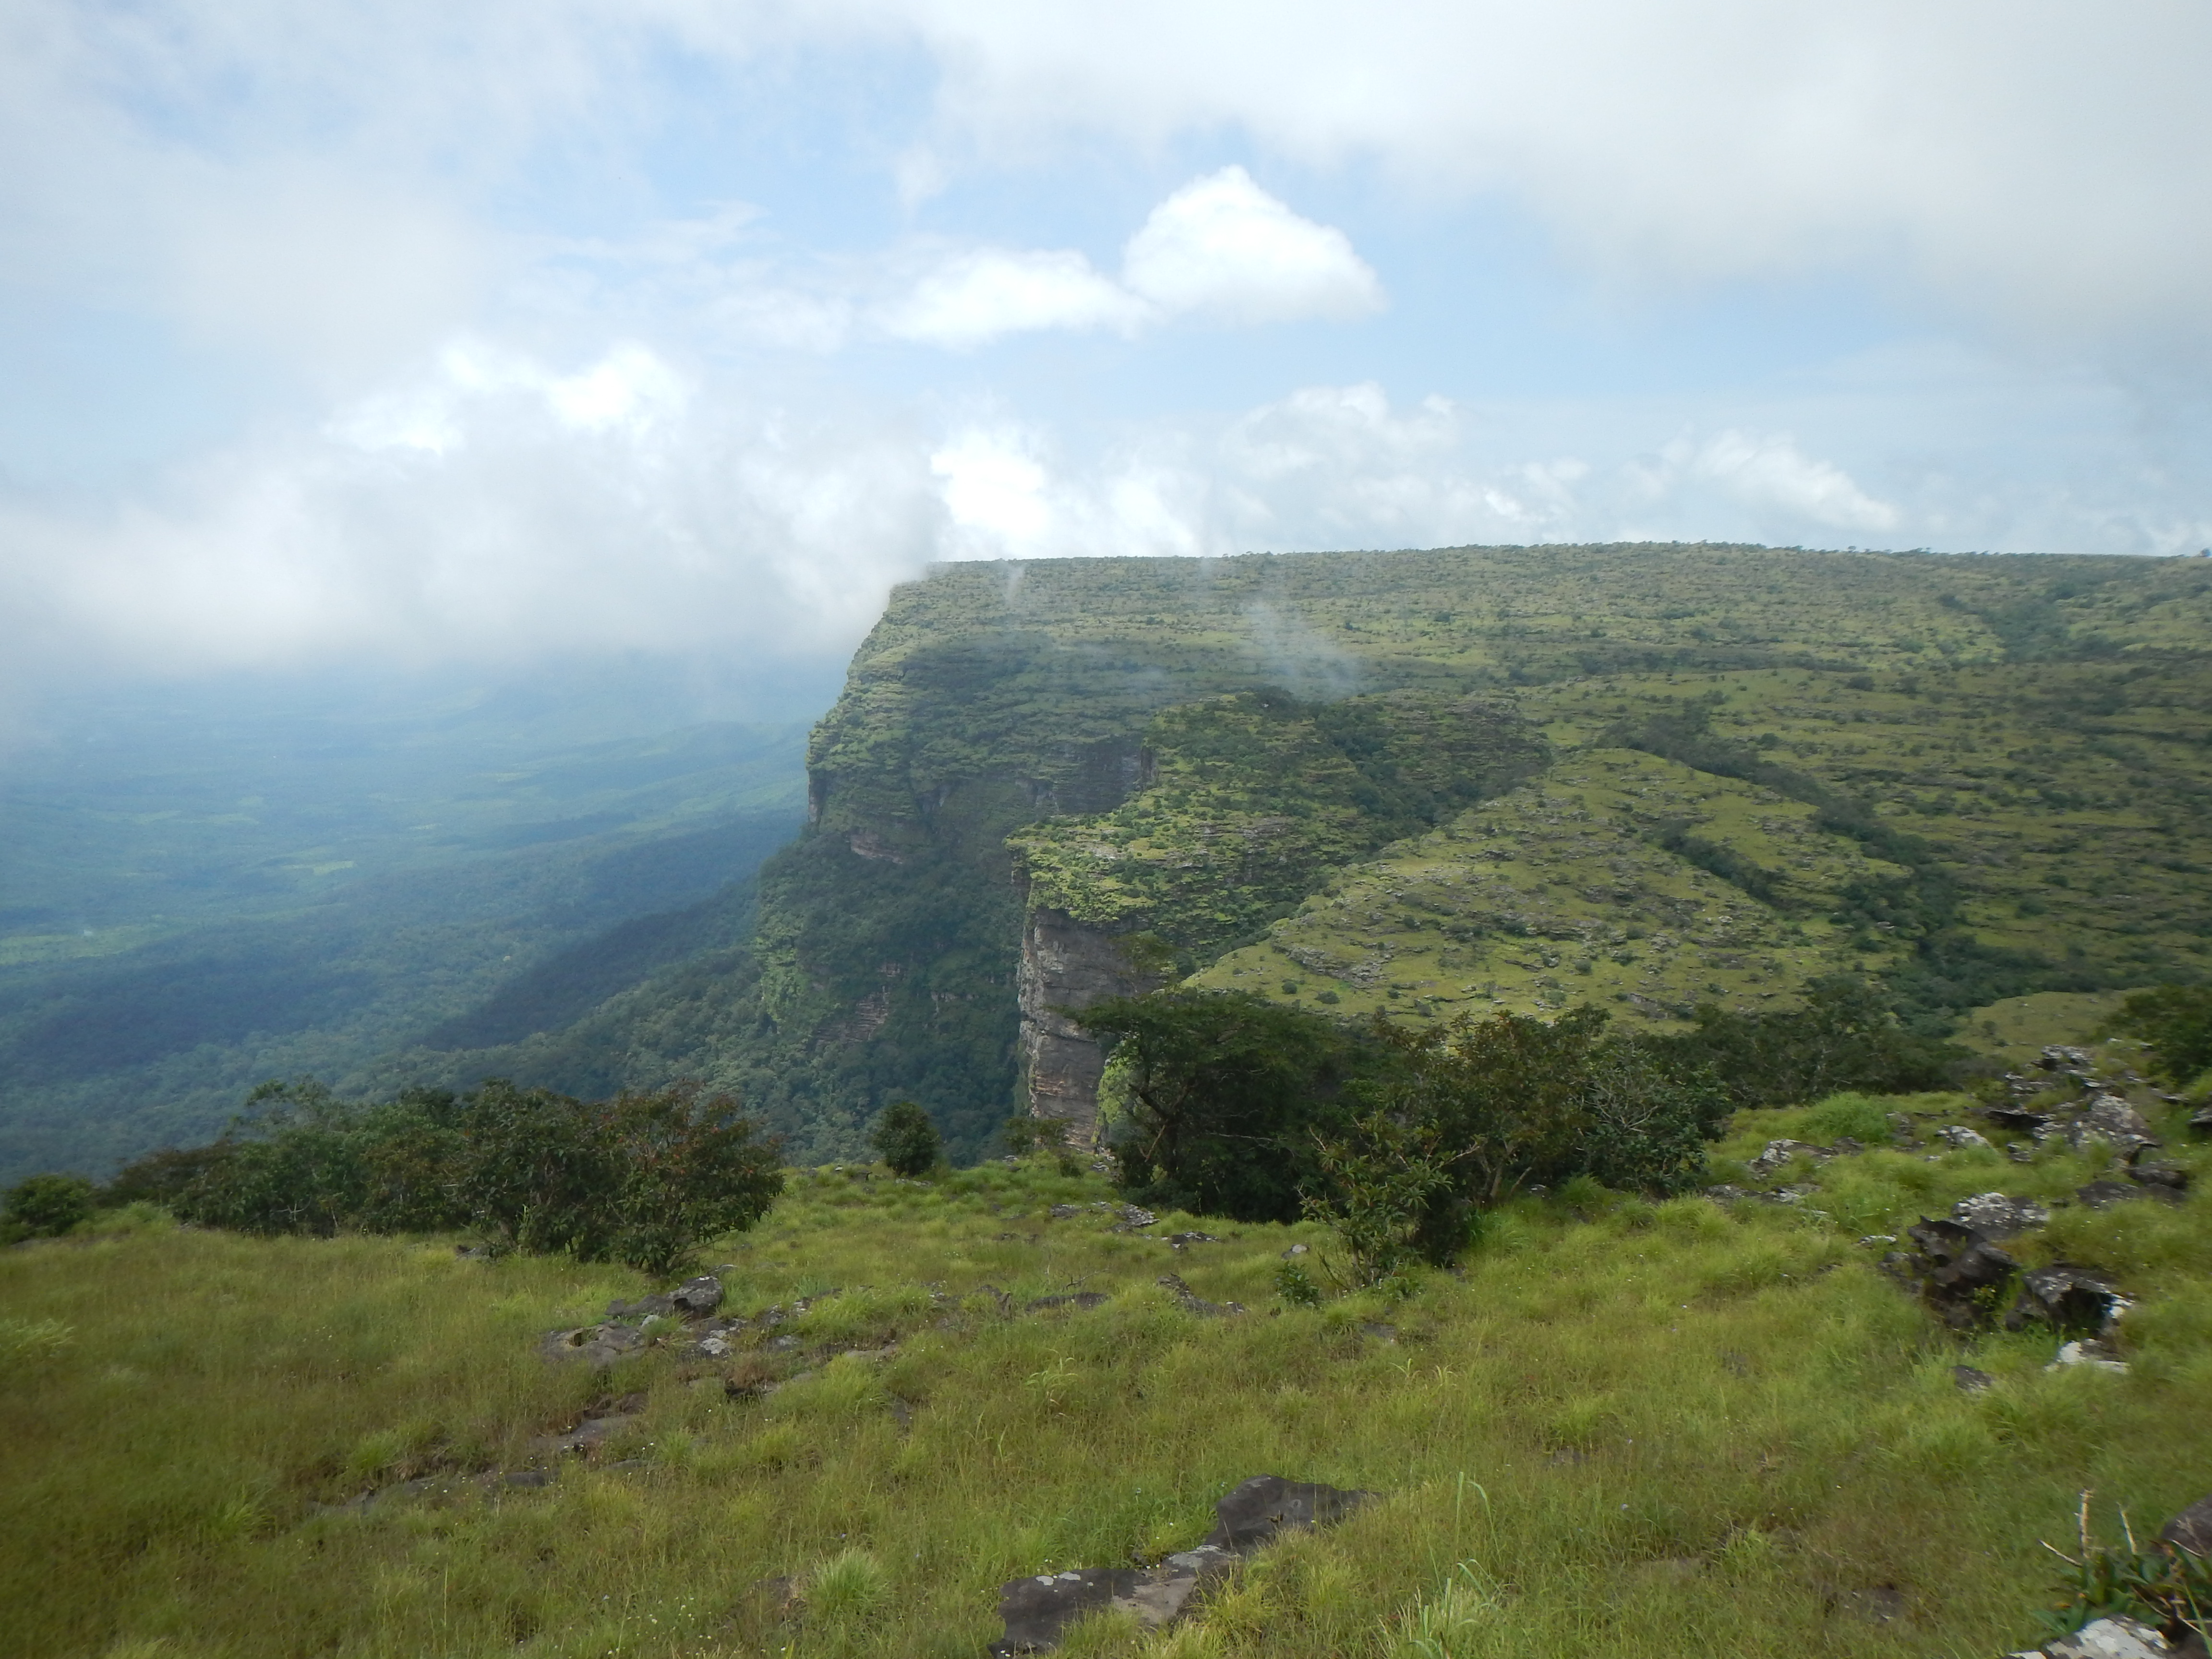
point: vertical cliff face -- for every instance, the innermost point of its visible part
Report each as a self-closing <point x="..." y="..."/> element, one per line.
<point x="1067" y="966"/>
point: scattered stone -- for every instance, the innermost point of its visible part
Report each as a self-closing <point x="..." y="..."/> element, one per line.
<point x="1191" y="1303"/>
<point x="2103" y="1194"/>
<point x="1882" y="1604"/>
<point x="528" y="1478"/>
<point x="1846" y="1147"/>
<point x="2016" y="1117"/>
<point x="594" y="1431"/>
<point x="645" y="1307"/>
<point x="1994" y="1215"/>
<point x="697" y="1299"/>
<point x="1779" y="1152"/>
<point x="1900" y="1129"/>
<point x="1065" y="1212"/>
<point x="1296" y="1251"/>
<point x="1970" y="1381"/>
<point x="1134" y="1219"/>
<point x="2191" y="1529"/>
<point x="471" y="1253"/>
<point x="2020" y="1151"/>
<point x="1380" y="1332"/>
<point x="1568" y="1455"/>
<point x="1960" y="1136"/>
<point x="598" y="1346"/>
<point x="1877" y="1239"/>
<point x="2201" y="1121"/>
<point x="1181" y="1239"/>
<point x="1080" y="1300"/>
<point x="2071" y="1298"/>
<point x="2088" y="1350"/>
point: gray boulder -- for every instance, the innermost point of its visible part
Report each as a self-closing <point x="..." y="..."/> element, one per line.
<point x="2190" y="1531"/>
<point x="1265" y="1507"/>
<point x="696" y="1298"/>
<point x="2109" y="1638"/>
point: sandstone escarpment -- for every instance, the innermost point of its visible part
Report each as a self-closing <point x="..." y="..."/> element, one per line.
<point x="1067" y="966"/>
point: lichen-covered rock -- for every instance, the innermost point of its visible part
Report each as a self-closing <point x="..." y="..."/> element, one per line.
<point x="1994" y="1215"/>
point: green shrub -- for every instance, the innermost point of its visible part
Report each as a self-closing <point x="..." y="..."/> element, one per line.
<point x="2175" y="1020"/>
<point x="906" y="1137"/>
<point x="47" y="1205"/>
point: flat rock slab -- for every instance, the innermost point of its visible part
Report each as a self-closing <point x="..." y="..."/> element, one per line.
<point x="1267" y="1505"/>
<point x="1995" y="1215"/>
<point x="1038" y="1609"/>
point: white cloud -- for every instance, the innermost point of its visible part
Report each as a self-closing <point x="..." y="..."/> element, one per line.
<point x="977" y="296"/>
<point x="1772" y="473"/>
<point x="1220" y="248"/>
<point x="1224" y="247"/>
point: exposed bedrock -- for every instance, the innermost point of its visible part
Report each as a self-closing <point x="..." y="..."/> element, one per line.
<point x="1067" y="966"/>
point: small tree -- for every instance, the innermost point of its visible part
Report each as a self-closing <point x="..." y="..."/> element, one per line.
<point x="905" y="1136"/>
<point x="47" y="1205"/>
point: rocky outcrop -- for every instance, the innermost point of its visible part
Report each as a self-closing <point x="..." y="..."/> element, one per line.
<point x="1067" y="964"/>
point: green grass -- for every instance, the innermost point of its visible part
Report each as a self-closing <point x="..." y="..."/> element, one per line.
<point x="1622" y="1427"/>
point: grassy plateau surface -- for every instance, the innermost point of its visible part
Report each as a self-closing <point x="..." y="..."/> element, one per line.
<point x="1617" y="1427"/>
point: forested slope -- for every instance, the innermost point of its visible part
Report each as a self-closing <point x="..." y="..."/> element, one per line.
<point x="1645" y="775"/>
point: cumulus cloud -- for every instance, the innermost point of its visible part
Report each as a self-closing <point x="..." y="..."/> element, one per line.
<point x="1223" y="246"/>
<point x="1770" y="471"/>
<point x="1220" y="248"/>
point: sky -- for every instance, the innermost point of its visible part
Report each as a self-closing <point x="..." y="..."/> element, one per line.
<point x="425" y="331"/>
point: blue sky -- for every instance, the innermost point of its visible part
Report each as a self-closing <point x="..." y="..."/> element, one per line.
<point x="394" y="331"/>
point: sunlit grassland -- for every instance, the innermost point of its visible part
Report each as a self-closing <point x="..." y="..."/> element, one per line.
<point x="1623" y="1427"/>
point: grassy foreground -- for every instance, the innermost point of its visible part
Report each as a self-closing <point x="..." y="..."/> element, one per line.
<point x="1622" y="1428"/>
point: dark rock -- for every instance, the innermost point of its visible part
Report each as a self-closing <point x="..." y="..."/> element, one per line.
<point x="2201" y="1121"/>
<point x="1971" y="1381"/>
<point x="2168" y="1177"/>
<point x="1263" y="1508"/>
<point x="1994" y="1215"/>
<point x="2076" y="1300"/>
<point x="695" y="1298"/>
<point x="1181" y="1239"/>
<point x="645" y="1307"/>
<point x="1846" y="1147"/>
<point x="2190" y="1531"/>
<point x="1191" y="1303"/>
<point x="529" y="1477"/>
<point x="1957" y="1271"/>
<point x="1080" y="1300"/>
<point x="1381" y="1333"/>
<point x="2016" y="1117"/>
<point x="1959" y="1136"/>
<point x="1065" y="1212"/>
<point x="2103" y="1194"/>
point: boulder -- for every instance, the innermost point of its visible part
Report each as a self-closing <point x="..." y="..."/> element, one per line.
<point x="2110" y="1119"/>
<point x="1079" y="1301"/>
<point x="645" y="1307"/>
<point x="1779" y="1152"/>
<point x="2167" y="1180"/>
<point x="1970" y="1381"/>
<point x="597" y="1346"/>
<point x="2076" y="1300"/>
<point x="2087" y="1351"/>
<point x="2190" y="1531"/>
<point x="696" y="1298"/>
<point x="1960" y="1136"/>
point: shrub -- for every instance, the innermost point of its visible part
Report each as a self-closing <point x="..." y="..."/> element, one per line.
<point x="905" y="1136"/>
<point x="639" y="1179"/>
<point x="2175" y="1020"/>
<point x="47" y="1205"/>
